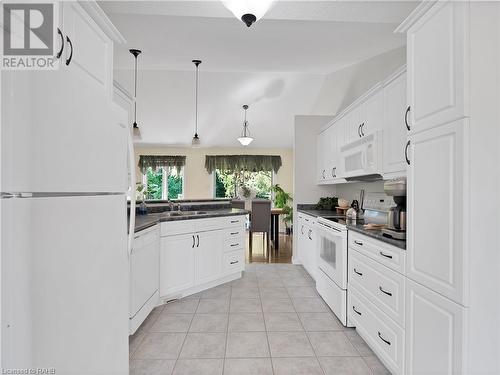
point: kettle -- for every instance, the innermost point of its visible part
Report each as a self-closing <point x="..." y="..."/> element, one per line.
<point x="352" y="213"/>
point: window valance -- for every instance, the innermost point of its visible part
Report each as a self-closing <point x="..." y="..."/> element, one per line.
<point x="161" y="161"/>
<point x="255" y="163"/>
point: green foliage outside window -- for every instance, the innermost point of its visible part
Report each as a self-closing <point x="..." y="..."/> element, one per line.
<point x="174" y="186"/>
<point x="154" y="179"/>
<point x="154" y="184"/>
<point x="226" y="183"/>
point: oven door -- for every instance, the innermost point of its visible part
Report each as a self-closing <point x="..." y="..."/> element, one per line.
<point x="332" y="258"/>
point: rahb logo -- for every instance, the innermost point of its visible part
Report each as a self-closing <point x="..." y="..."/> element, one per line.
<point x="28" y="36"/>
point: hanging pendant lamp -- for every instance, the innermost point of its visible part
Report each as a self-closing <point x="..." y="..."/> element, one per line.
<point x="245" y="138"/>
<point x="196" y="140"/>
<point x="136" y="130"/>
<point x="249" y="11"/>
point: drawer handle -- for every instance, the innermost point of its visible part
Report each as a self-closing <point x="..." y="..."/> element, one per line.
<point x="358" y="243"/>
<point x="384" y="340"/>
<point x="234" y="244"/>
<point x="234" y="221"/>
<point x="356" y="311"/>
<point x="359" y="273"/>
<point x="384" y="291"/>
<point x="385" y="255"/>
<point x="234" y="262"/>
<point x="233" y="233"/>
<point x="194" y="242"/>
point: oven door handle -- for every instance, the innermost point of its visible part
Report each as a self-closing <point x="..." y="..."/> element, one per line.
<point x="327" y="227"/>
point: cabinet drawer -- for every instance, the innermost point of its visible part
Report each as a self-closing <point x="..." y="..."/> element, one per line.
<point x="233" y="261"/>
<point x="170" y="228"/>
<point x="388" y="255"/>
<point x="235" y="233"/>
<point x="383" y="336"/>
<point x="384" y="287"/>
<point x="234" y="244"/>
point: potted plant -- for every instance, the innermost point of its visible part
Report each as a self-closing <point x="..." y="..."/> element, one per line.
<point x="140" y="197"/>
<point x="282" y="199"/>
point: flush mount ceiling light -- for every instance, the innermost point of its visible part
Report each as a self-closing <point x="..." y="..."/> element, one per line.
<point x="249" y="11"/>
<point x="136" y="131"/>
<point x="196" y="140"/>
<point x="245" y="138"/>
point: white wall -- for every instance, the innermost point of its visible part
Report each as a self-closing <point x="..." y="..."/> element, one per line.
<point x="344" y="86"/>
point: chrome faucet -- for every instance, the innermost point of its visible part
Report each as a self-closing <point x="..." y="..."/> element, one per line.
<point x="170" y="204"/>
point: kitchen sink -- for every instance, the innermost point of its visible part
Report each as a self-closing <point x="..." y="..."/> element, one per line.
<point x="185" y="213"/>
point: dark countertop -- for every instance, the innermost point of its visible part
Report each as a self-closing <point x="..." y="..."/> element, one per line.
<point x="318" y="213"/>
<point x="145" y="221"/>
<point x="377" y="234"/>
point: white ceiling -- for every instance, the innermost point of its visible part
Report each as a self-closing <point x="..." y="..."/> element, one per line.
<point x="307" y="38"/>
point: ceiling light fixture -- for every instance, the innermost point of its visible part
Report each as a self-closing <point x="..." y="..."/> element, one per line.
<point x="245" y="138"/>
<point x="136" y="132"/>
<point x="249" y="11"/>
<point x="196" y="140"/>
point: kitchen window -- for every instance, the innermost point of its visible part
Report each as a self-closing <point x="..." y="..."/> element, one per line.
<point x="227" y="183"/>
<point x="163" y="183"/>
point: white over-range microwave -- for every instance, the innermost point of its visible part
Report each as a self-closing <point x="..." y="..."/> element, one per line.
<point x="363" y="157"/>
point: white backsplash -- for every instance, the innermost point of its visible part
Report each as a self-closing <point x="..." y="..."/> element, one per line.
<point x="351" y="191"/>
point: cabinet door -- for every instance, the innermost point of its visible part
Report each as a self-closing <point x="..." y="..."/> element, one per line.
<point x="373" y="114"/>
<point x="92" y="48"/>
<point x="395" y="129"/>
<point x="208" y="258"/>
<point x="437" y="65"/>
<point x="319" y="158"/>
<point x="437" y="210"/>
<point x="354" y="119"/>
<point x="328" y="152"/>
<point x="435" y="333"/>
<point x="176" y="263"/>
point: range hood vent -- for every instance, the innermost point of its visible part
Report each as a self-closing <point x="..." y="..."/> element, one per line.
<point x="365" y="178"/>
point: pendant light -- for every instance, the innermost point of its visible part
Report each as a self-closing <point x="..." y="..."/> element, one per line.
<point x="136" y="130"/>
<point x="196" y="140"/>
<point x="245" y="138"/>
<point x="249" y="11"/>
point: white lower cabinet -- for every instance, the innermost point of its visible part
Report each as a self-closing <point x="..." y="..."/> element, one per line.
<point x="209" y="252"/>
<point x="176" y="263"/>
<point x="435" y="332"/>
<point x="376" y="297"/>
<point x="200" y="254"/>
<point x="307" y="243"/>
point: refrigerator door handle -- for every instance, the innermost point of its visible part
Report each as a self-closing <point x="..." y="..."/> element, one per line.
<point x="131" y="163"/>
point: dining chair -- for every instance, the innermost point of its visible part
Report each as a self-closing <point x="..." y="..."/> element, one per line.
<point x="260" y="220"/>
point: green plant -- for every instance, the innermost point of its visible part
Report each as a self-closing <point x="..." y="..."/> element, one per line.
<point x="247" y="192"/>
<point x="327" y="203"/>
<point x="281" y="200"/>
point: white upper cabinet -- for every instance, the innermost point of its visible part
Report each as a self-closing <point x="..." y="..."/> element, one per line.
<point x="395" y="130"/>
<point x="87" y="48"/>
<point x="438" y="210"/>
<point x="320" y="161"/>
<point x="353" y="121"/>
<point x="437" y="58"/>
<point x="373" y="113"/>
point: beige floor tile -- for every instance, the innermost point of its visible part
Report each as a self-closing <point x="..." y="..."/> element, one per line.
<point x="358" y="342"/>
<point x="302" y="291"/>
<point x="278" y="305"/>
<point x="213" y="306"/>
<point x="289" y="344"/>
<point x="246" y="322"/>
<point x="247" y="345"/>
<point x="172" y="323"/>
<point x="344" y="366"/>
<point x="314" y="304"/>
<point x="246" y="305"/>
<point x="151" y="366"/>
<point x="282" y="322"/>
<point x="332" y="344"/>
<point x="199" y="367"/>
<point x="158" y="345"/>
<point x="320" y="322"/>
<point x="204" y="345"/>
<point x="297" y="366"/>
<point x="376" y="367"/>
<point x="248" y="366"/>
<point x="219" y="292"/>
<point x="209" y="323"/>
<point x="245" y="292"/>
<point x="184" y="306"/>
<point x="273" y="293"/>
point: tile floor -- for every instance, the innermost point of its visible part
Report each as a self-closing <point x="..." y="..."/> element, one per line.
<point x="271" y="321"/>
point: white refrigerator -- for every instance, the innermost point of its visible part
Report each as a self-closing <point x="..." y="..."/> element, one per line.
<point x="64" y="258"/>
